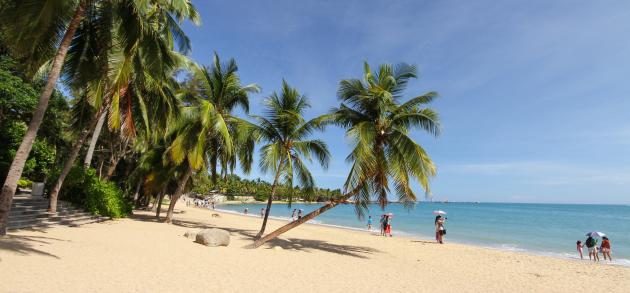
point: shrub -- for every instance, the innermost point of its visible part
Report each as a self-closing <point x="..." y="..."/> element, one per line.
<point x="24" y="183"/>
<point x="100" y="197"/>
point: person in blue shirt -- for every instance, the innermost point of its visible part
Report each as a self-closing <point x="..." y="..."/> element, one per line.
<point x="369" y="223"/>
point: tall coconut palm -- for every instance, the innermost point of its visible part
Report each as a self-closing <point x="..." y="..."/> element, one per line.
<point x="196" y="123"/>
<point x="129" y="70"/>
<point x="384" y="155"/>
<point x="36" y="26"/>
<point x="25" y="23"/>
<point x="286" y="134"/>
<point x="220" y="84"/>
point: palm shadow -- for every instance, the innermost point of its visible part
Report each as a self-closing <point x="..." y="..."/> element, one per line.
<point x="294" y="244"/>
<point x="25" y="245"/>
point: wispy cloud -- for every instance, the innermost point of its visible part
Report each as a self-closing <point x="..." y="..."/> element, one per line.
<point x="545" y="172"/>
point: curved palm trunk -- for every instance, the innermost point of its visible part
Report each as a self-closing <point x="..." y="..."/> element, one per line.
<point x="294" y="224"/>
<point x="159" y="205"/>
<point x="17" y="166"/>
<point x="269" y="200"/>
<point x="74" y="153"/>
<point x="97" y="132"/>
<point x="136" y="194"/>
<point x="304" y="219"/>
<point x="177" y="194"/>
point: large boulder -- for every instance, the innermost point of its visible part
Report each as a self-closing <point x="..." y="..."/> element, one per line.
<point x="213" y="237"/>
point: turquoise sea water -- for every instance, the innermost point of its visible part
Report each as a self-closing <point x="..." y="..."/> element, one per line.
<point x="550" y="229"/>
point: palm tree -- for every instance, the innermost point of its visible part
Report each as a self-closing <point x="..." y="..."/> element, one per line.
<point x="197" y="122"/>
<point x="286" y="132"/>
<point x="128" y="69"/>
<point x="24" y="22"/>
<point x="383" y="153"/>
<point x="221" y="85"/>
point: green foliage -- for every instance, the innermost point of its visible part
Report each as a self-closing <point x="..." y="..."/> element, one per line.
<point x="18" y="99"/>
<point x="101" y="197"/>
<point x="24" y="183"/>
<point x="259" y="189"/>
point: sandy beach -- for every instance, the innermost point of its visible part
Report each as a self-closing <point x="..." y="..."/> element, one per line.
<point x="140" y="255"/>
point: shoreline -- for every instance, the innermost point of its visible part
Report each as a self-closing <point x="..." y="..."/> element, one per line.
<point x="138" y="254"/>
<point x="556" y="255"/>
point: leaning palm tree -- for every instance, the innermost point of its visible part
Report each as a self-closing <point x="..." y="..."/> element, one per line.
<point x="128" y="71"/>
<point x="37" y="26"/>
<point x="35" y="29"/>
<point x="286" y="132"/>
<point x="378" y="123"/>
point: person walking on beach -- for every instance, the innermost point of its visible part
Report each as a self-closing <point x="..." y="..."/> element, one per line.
<point x="245" y="211"/>
<point x="382" y="224"/>
<point x="300" y="214"/>
<point x="388" y="225"/>
<point x="579" y="248"/>
<point x="439" y="229"/>
<point x="293" y="215"/>
<point x="262" y="212"/>
<point x="591" y="244"/>
<point x="606" y="248"/>
<point x="369" y="223"/>
<point x="213" y="205"/>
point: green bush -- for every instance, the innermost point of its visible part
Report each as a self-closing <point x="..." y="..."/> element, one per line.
<point x="101" y="197"/>
<point x="24" y="183"/>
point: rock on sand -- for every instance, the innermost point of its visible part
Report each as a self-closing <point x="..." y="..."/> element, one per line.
<point x="213" y="237"/>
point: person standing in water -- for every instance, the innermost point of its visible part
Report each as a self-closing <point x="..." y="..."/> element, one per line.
<point x="439" y="229"/>
<point x="293" y="214"/>
<point x="300" y="214"/>
<point x="262" y="212"/>
<point x="388" y="225"/>
<point x="369" y="223"/>
<point x="591" y="244"/>
<point x="382" y="224"/>
<point x="606" y="248"/>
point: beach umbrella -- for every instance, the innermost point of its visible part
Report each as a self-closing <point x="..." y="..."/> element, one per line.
<point x="595" y="234"/>
<point x="439" y="212"/>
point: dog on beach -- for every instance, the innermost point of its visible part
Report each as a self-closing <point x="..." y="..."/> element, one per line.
<point x="216" y="215"/>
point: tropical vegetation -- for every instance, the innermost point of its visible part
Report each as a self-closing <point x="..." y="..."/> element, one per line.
<point x="110" y="82"/>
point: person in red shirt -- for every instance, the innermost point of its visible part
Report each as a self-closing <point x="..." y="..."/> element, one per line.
<point x="606" y="248"/>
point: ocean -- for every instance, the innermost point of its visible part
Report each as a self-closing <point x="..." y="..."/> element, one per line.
<point x="548" y="229"/>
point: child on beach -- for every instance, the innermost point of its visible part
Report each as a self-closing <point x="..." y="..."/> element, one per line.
<point x="293" y="214"/>
<point x="382" y="223"/>
<point x="579" y="248"/>
<point x="369" y="223"/>
<point x="606" y="248"/>
<point x="299" y="214"/>
<point x="262" y="212"/>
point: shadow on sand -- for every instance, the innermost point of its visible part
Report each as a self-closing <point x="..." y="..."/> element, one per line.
<point x="296" y="244"/>
<point x="26" y="245"/>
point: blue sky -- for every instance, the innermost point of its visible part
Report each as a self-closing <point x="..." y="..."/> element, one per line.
<point x="534" y="95"/>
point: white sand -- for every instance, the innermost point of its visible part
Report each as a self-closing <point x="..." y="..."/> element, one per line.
<point x="140" y="255"/>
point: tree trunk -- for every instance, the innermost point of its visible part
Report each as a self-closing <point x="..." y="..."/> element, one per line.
<point x="74" y="153"/>
<point x="112" y="166"/>
<point x="159" y="205"/>
<point x="17" y="166"/>
<point x="137" y="192"/>
<point x="304" y="219"/>
<point x="269" y="200"/>
<point x="294" y="224"/>
<point x="97" y="132"/>
<point x="177" y="194"/>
